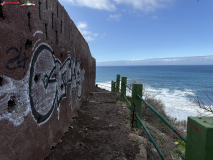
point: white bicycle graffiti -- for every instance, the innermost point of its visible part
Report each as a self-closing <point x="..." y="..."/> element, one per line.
<point x="43" y="87"/>
<point x="49" y="79"/>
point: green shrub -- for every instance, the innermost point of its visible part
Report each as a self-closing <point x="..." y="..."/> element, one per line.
<point x="181" y="146"/>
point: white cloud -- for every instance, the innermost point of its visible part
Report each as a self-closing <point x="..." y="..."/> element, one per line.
<point x="145" y="5"/>
<point x="136" y="59"/>
<point x="110" y="5"/>
<point x="114" y="17"/>
<point x="95" y="34"/>
<point x="82" y="25"/>
<point x="88" y="35"/>
<point x="89" y="38"/>
<point x="103" y="35"/>
<point x="154" y="17"/>
<point x="84" y="32"/>
<point x="95" y="4"/>
<point x="194" y="60"/>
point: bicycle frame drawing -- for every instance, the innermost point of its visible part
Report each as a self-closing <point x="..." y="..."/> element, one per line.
<point x="43" y="87"/>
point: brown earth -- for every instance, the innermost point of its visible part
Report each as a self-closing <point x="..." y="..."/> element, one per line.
<point x="99" y="132"/>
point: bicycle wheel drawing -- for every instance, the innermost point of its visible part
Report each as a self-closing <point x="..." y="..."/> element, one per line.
<point x="46" y="90"/>
<point x="42" y="88"/>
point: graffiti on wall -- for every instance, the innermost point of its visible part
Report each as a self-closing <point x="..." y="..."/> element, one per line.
<point x="49" y="79"/>
<point x="43" y="87"/>
<point x="16" y="59"/>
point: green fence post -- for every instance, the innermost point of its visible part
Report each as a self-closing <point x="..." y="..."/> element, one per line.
<point x="112" y="86"/>
<point x="199" y="144"/>
<point x="123" y="89"/>
<point x="117" y="83"/>
<point x="136" y="104"/>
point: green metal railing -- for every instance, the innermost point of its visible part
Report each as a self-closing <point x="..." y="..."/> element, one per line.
<point x="128" y="87"/>
<point x="135" y="107"/>
<point x="127" y="100"/>
<point x="150" y="137"/>
<point x="199" y="134"/>
<point x="164" y="120"/>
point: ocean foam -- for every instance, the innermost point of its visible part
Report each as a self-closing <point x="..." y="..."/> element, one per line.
<point x="177" y="104"/>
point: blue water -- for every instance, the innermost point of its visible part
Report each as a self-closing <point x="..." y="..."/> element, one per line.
<point x="174" y="85"/>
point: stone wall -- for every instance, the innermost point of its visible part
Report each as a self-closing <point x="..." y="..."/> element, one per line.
<point x="46" y="72"/>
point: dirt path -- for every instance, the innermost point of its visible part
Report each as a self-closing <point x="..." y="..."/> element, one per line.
<point x="100" y="132"/>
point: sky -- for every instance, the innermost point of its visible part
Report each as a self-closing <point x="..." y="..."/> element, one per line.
<point x="138" y="32"/>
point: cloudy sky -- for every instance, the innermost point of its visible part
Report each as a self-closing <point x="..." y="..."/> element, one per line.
<point x="135" y="32"/>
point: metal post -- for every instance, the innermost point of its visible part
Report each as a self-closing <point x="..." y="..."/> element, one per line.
<point x="117" y="83"/>
<point x="136" y="104"/>
<point x="112" y="86"/>
<point x="199" y="144"/>
<point x="123" y="89"/>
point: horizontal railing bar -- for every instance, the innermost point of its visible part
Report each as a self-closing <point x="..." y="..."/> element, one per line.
<point x="164" y="120"/>
<point x="152" y="140"/>
<point x="128" y="87"/>
<point x="127" y="101"/>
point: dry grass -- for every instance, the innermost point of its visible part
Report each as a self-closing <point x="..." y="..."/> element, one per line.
<point x="149" y="116"/>
<point x="156" y="126"/>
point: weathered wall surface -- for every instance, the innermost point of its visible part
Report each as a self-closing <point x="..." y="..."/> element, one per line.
<point x="46" y="71"/>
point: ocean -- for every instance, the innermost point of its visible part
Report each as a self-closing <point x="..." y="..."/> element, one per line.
<point x="176" y="86"/>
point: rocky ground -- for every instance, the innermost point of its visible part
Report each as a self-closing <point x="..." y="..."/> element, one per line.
<point x="101" y="131"/>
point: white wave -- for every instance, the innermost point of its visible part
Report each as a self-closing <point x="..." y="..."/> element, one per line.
<point x="104" y="85"/>
<point x="107" y="86"/>
<point x="176" y="102"/>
